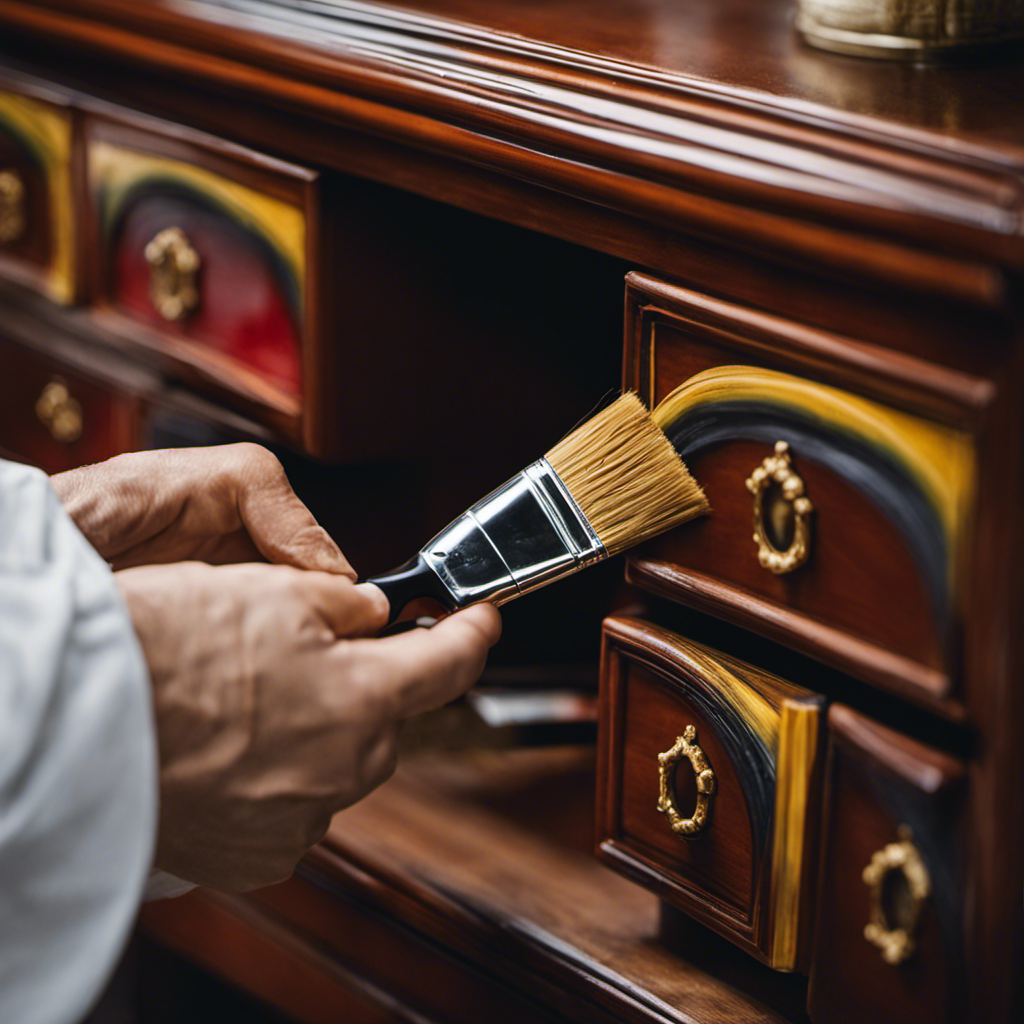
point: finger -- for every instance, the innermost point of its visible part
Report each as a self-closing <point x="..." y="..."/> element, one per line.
<point x="426" y="668"/>
<point x="351" y="610"/>
<point x="282" y="528"/>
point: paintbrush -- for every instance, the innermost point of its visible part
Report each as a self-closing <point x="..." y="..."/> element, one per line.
<point x="610" y="484"/>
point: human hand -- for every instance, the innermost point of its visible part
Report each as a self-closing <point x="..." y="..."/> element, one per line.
<point x="274" y="708"/>
<point x="229" y="503"/>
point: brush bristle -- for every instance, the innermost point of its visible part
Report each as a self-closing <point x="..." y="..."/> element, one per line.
<point x="625" y="476"/>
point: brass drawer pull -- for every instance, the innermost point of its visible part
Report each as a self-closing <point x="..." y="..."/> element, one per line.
<point x="782" y="513"/>
<point x="686" y="747"/>
<point x="12" y="207"/>
<point x="59" y="412"/>
<point x="899" y="884"/>
<point x="173" y="274"/>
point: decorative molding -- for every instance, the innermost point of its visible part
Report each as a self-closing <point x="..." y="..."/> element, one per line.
<point x="657" y="144"/>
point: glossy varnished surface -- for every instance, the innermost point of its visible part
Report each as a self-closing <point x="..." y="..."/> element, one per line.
<point x="464" y="890"/>
<point x="504" y="839"/>
<point x="660" y="143"/>
<point x="739" y="44"/>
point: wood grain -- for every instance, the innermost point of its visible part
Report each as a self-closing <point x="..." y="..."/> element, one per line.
<point x="653" y="685"/>
<point x="471" y="110"/>
<point x="877" y="781"/>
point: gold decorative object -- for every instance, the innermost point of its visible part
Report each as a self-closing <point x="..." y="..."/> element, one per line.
<point x="12" y="207"/>
<point x="908" y="29"/>
<point x="686" y="747"/>
<point x="793" y="507"/>
<point x="173" y="272"/>
<point x="59" y="412"/>
<point x="892" y="926"/>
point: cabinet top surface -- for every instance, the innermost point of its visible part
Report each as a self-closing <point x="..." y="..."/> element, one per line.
<point x="746" y="49"/>
<point x="639" y="106"/>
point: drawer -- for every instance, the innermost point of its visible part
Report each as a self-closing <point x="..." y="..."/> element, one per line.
<point x="890" y="906"/>
<point x="708" y="780"/>
<point x="206" y="259"/>
<point x="842" y="478"/>
<point x="37" y="229"/>
<point x="57" y="417"/>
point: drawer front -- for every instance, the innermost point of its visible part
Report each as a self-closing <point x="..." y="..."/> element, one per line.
<point x="842" y="480"/>
<point x="889" y="910"/>
<point x="56" y="418"/>
<point x="708" y="773"/>
<point x="204" y="256"/>
<point x="37" y="242"/>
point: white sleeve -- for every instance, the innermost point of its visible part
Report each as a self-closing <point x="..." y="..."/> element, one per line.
<point x="78" y="766"/>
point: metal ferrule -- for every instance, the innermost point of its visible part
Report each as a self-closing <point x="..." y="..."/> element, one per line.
<point x="523" y="535"/>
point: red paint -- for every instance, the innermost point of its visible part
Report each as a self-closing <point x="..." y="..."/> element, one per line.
<point x="243" y="311"/>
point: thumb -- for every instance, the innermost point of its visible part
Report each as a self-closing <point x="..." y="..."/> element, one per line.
<point x="282" y="528"/>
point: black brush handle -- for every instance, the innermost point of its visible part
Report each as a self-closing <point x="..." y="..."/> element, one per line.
<point x="409" y="582"/>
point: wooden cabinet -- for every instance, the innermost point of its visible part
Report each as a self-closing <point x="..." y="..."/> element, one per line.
<point x="843" y="478"/>
<point x="57" y="417"/>
<point x="394" y="239"/>
<point x="37" y="194"/>
<point x="210" y="251"/>
<point x="708" y="786"/>
<point x="892" y="904"/>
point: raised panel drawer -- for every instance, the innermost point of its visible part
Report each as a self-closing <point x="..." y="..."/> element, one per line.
<point x="37" y="220"/>
<point x="732" y="848"/>
<point x="206" y="258"/>
<point x="843" y="480"/>
<point x="890" y="907"/>
<point x="56" y="417"/>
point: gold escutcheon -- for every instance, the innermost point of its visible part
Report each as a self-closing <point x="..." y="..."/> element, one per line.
<point x="173" y="274"/>
<point x="685" y="747"/>
<point x="13" y="216"/>
<point x="899" y="885"/>
<point x="59" y="412"/>
<point x="789" y="512"/>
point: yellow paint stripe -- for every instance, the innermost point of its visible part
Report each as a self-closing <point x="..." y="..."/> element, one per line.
<point x="47" y="130"/>
<point x="940" y="458"/>
<point x="117" y="170"/>
<point x="794" y="772"/>
<point x="759" y="713"/>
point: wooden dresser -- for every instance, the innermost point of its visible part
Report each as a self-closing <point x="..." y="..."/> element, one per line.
<point x="408" y="247"/>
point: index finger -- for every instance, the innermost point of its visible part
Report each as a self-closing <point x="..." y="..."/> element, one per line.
<point x="426" y="668"/>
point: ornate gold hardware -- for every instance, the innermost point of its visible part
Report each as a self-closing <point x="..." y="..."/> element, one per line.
<point x="173" y="272"/>
<point x="900" y="884"/>
<point x="59" y="412"/>
<point x="12" y="207"/>
<point x="686" y="746"/>
<point x="791" y="513"/>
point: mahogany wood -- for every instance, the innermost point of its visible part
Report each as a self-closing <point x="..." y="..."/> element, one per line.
<point x="28" y="258"/>
<point x="488" y="854"/>
<point x="111" y="419"/>
<point x="235" y="941"/>
<point x="861" y="579"/>
<point x="478" y="101"/>
<point x="876" y="782"/>
<point x="649" y="695"/>
<point x="855" y="221"/>
<point x="34" y="245"/>
<point x="248" y="333"/>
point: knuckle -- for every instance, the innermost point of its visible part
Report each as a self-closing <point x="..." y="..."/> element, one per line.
<point x="258" y="460"/>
